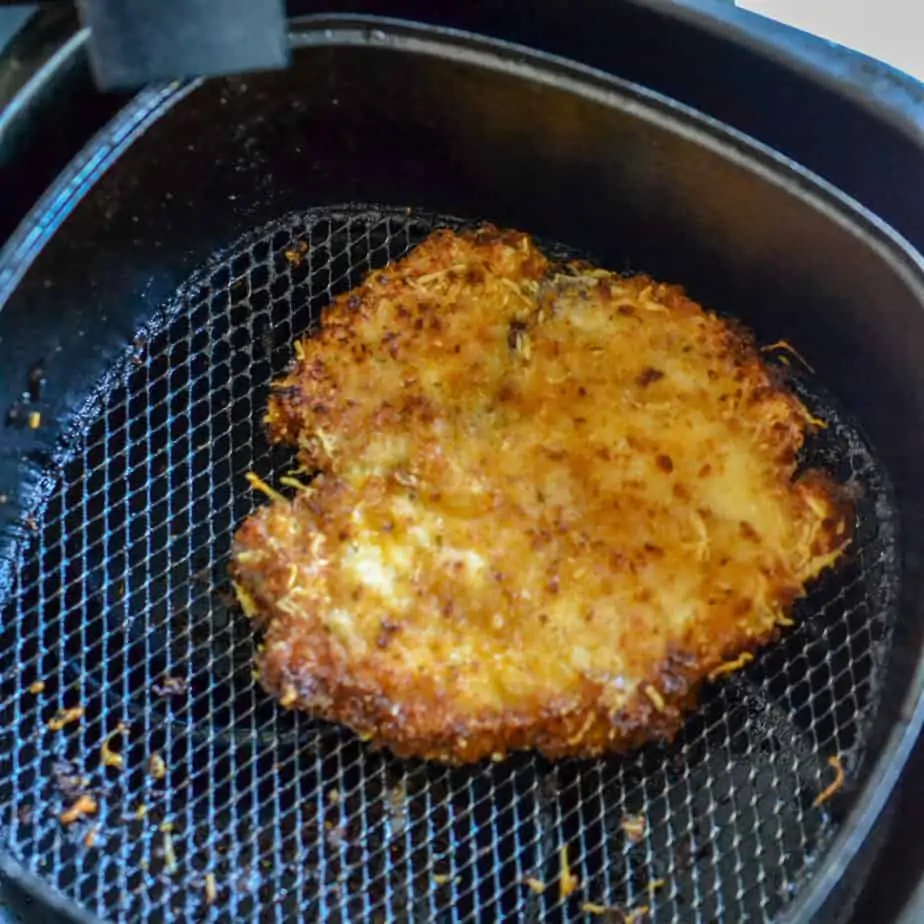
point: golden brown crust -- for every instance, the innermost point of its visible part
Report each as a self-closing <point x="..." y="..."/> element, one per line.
<point x="552" y="501"/>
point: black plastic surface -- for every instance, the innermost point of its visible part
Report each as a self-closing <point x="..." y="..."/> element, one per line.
<point x="136" y="42"/>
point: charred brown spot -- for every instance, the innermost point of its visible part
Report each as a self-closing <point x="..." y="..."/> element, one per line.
<point x="387" y="629"/>
<point x="748" y="532"/>
<point x="515" y="331"/>
<point x="681" y="492"/>
<point x="664" y="462"/>
<point x="648" y="375"/>
<point x="290" y="393"/>
<point x="626" y="310"/>
<point x="705" y="471"/>
<point x="654" y="550"/>
<point x="617" y="561"/>
<point x="505" y="392"/>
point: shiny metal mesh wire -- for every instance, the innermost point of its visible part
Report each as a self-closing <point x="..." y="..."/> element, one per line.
<point x="224" y="806"/>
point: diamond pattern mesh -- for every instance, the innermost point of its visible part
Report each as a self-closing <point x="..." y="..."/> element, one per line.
<point x="211" y="802"/>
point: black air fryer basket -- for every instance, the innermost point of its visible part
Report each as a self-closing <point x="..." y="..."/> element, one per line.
<point x="145" y="306"/>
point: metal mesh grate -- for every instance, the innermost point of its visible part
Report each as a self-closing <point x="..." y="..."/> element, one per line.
<point x="122" y="608"/>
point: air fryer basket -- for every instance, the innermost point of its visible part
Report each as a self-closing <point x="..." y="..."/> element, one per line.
<point x="198" y="236"/>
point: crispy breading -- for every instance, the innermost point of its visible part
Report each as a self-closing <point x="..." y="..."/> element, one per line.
<point x="550" y="502"/>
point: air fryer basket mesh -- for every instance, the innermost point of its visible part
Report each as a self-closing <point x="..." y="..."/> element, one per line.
<point x="221" y="804"/>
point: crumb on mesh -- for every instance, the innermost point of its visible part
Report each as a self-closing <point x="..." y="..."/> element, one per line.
<point x="569" y="883"/>
<point x="729" y="667"/>
<point x="634" y="827"/>
<point x="596" y="909"/>
<point x="108" y="757"/>
<point x="169" y="852"/>
<point x="66" y="717"/>
<point x="156" y="766"/>
<point x="170" y="686"/>
<point x="296" y="253"/>
<point x="838" y="782"/>
<point x="635" y="915"/>
<point x="83" y="805"/>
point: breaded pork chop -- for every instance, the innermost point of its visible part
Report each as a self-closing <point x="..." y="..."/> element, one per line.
<point x="549" y="502"/>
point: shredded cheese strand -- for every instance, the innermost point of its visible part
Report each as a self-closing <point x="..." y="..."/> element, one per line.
<point x="829" y="791"/>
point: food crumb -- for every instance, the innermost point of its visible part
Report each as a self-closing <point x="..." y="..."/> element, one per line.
<point x="636" y="914"/>
<point x="442" y="878"/>
<point x="634" y="827"/>
<point x="37" y="687"/>
<point x="729" y="667"/>
<point x="657" y="700"/>
<point x="66" y="717"/>
<point x="289" y="698"/>
<point x="296" y="253"/>
<point x="838" y="767"/>
<point x="210" y="890"/>
<point x="594" y="908"/>
<point x="170" y="686"/>
<point x="169" y="853"/>
<point x="108" y="757"/>
<point x="156" y="766"/>
<point x="789" y="348"/>
<point x="569" y="883"/>
<point x="141" y="811"/>
<point x="83" y="805"/>
<point x="535" y="885"/>
<point x="333" y="797"/>
<point x="35" y="420"/>
<point x="89" y="840"/>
